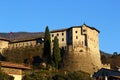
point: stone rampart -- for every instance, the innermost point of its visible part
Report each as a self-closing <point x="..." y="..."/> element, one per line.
<point x="81" y="58"/>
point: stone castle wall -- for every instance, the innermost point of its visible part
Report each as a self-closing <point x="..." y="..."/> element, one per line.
<point x="81" y="59"/>
<point x="22" y="44"/>
<point x="3" y="45"/>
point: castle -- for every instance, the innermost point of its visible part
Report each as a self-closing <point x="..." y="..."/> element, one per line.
<point x="5" y="43"/>
<point x="80" y="43"/>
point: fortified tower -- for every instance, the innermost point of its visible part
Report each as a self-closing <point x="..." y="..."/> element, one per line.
<point x="3" y="44"/>
<point x="81" y="45"/>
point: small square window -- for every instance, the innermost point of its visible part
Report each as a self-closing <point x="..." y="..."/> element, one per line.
<point x="75" y="31"/>
<point x="62" y="34"/>
<point x="76" y="37"/>
<point x="62" y="39"/>
<point x="57" y="34"/>
<point x="52" y="35"/>
<point x="82" y="42"/>
<point x="81" y="51"/>
<point x="84" y="30"/>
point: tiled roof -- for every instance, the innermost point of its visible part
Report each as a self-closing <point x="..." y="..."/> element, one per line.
<point x="4" y="39"/>
<point x="92" y="28"/>
<point x="13" y="65"/>
<point x="59" y="30"/>
<point x="23" y="40"/>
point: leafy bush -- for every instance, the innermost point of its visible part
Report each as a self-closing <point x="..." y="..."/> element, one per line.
<point x="4" y="76"/>
<point x="47" y="75"/>
<point x="23" y="55"/>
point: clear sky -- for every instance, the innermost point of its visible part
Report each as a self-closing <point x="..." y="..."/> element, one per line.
<point x="35" y="15"/>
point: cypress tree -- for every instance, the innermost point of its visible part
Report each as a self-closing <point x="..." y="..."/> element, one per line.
<point x="56" y="52"/>
<point x="47" y="46"/>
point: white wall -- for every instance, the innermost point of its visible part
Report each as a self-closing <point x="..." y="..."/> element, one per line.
<point x="16" y="77"/>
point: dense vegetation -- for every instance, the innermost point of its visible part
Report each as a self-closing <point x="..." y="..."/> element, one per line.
<point x="28" y="55"/>
<point x="113" y="59"/>
<point x="47" y="56"/>
<point x="56" y="53"/>
<point x="52" y="75"/>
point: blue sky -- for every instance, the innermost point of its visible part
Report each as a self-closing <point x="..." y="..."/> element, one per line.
<point x="35" y="15"/>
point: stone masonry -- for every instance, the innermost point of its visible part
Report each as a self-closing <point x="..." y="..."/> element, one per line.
<point x="81" y="44"/>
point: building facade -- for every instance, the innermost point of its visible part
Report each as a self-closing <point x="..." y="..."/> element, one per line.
<point x="80" y="45"/>
<point x="77" y="35"/>
<point x="25" y="43"/>
<point x="3" y="44"/>
<point x="82" y="48"/>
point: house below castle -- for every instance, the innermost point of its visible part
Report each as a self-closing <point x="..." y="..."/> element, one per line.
<point x="15" y="70"/>
<point x="107" y="74"/>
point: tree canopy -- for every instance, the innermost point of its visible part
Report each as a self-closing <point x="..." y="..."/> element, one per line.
<point x="56" y="52"/>
<point x="47" y="46"/>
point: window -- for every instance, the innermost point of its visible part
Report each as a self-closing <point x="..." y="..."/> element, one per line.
<point x="57" y="34"/>
<point x="62" y="34"/>
<point x="52" y="35"/>
<point x="62" y="39"/>
<point x="75" y="31"/>
<point x="76" y="37"/>
<point x="82" y="43"/>
<point x="81" y="50"/>
<point x="26" y="44"/>
<point x="84" y="30"/>
<point x="16" y="45"/>
<point x="23" y="44"/>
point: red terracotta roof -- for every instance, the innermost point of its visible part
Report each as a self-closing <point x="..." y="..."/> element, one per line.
<point x="13" y="65"/>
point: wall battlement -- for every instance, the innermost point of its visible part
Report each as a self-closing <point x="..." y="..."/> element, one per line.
<point x="107" y="66"/>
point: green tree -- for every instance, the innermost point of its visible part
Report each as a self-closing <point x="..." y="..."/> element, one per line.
<point x="115" y="54"/>
<point x="56" y="52"/>
<point x="24" y="55"/>
<point x="47" y="46"/>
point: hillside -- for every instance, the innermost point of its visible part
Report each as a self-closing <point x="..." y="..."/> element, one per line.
<point x="105" y="53"/>
<point x="28" y="35"/>
<point x="21" y="35"/>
